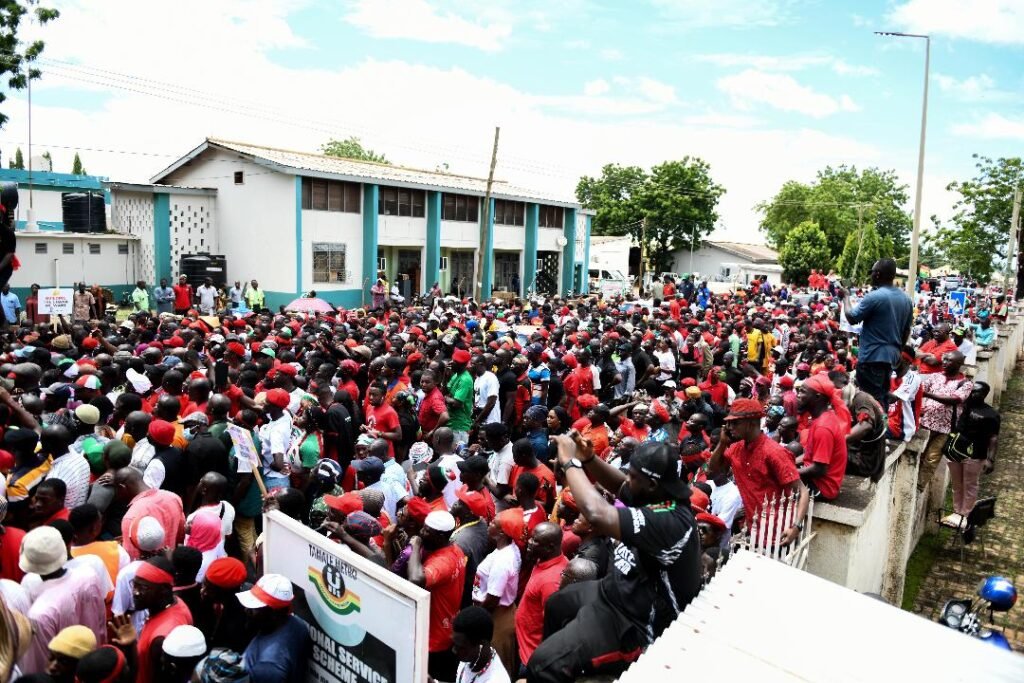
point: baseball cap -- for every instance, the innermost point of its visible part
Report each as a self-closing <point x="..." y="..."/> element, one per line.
<point x="272" y="590"/>
<point x="655" y="460"/>
<point x="474" y="500"/>
<point x="369" y="465"/>
<point x="475" y="463"/>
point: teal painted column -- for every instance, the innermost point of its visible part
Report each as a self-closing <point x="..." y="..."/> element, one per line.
<point x="530" y="249"/>
<point x="162" y="266"/>
<point x="569" y="251"/>
<point x="586" y="254"/>
<point x="371" y="193"/>
<point x="487" y="277"/>
<point x="432" y="268"/>
<point x="298" y="236"/>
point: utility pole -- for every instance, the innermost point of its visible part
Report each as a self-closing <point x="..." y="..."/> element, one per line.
<point x="643" y="254"/>
<point x="485" y="226"/>
<point x="1014" y="245"/>
<point x="860" y="233"/>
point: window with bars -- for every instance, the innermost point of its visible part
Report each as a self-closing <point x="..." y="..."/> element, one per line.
<point x="122" y="249"/>
<point x="550" y="217"/>
<point x="41" y="247"/>
<point x="507" y="212"/>
<point x="460" y="207"/>
<point x="329" y="262"/>
<point x="330" y="195"/>
<point x="94" y="248"/>
<point x="399" y="201"/>
<point x="69" y="247"/>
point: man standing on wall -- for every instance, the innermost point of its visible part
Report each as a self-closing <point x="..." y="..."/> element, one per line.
<point x="182" y="296"/>
<point x="164" y="297"/>
<point x="254" y="297"/>
<point x="140" y="297"/>
<point x="207" y="295"/>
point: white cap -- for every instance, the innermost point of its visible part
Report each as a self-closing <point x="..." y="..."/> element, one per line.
<point x="440" y="520"/>
<point x="185" y="641"/>
<point x="148" y="534"/>
<point x="272" y="590"/>
<point x="42" y="551"/>
<point x="139" y="381"/>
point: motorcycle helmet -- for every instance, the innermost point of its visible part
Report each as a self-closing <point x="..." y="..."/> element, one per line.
<point x="999" y="592"/>
<point x="994" y="638"/>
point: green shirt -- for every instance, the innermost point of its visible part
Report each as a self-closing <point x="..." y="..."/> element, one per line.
<point x="734" y="347"/>
<point x="254" y="298"/>
<point x="140" y="297"/>
<point x="460" y="387"/>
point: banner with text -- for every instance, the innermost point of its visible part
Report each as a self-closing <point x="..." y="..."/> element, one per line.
<point x="56" y="301"/>
<point x="367" y="624"/>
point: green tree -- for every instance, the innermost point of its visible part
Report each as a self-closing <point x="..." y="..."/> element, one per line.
<point x="76" y="166"/>
<point x="975" y="238"/>
<point x="806" y="247"/>
<point x="839" y="200"/>
<point x="677" y="199"/>
<point x="18" y="161"/>
<point x="49" y="160"/>
<point x="15" y="58"/>
<point x="862" y="249"/>
<point x="352" y="148"/>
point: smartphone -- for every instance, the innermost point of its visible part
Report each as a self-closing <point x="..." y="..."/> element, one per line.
<point x="220" y="374"/>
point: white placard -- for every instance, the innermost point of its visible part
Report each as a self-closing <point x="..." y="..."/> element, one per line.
<point x="366" y="623"/>
<point x="56" y="301"/>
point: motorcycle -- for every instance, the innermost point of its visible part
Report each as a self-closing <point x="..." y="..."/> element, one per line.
<point x="995" y="594"/>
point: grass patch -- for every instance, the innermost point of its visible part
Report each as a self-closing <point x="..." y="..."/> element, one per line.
<point x="920" y="562"/>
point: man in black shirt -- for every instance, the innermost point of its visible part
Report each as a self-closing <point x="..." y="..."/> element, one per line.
<point x="507" y="378"/>
<point x="205" y="452"/>
<point x="978" y="424"/>
<point x="654" y="567"/>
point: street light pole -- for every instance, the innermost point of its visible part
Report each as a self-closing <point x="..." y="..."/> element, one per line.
<point x="916" y="235"/>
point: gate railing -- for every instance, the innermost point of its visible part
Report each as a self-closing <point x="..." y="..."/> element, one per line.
<point x="770" y="522"/>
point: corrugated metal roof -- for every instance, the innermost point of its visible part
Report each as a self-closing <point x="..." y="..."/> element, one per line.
<point x="755" y="253"/>
<point x="761" y="620"/>
<point x="307" y="163"/>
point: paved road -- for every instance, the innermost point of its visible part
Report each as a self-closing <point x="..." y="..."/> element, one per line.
<point x="1004" y="535"/>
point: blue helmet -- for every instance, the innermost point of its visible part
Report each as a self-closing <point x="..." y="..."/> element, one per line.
<point x="995" y="638"/>
<point x="999" y="592"/>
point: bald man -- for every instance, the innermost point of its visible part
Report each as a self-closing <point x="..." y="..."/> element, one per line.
<point x="545" y="548"/>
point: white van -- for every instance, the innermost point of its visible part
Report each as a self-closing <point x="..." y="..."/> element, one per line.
<point x="608" y="282"/>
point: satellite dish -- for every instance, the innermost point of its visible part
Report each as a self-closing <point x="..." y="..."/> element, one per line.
<point x="561" y="241"/>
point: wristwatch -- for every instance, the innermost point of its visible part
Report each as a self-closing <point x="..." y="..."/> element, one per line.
<point x="573" y="462"/>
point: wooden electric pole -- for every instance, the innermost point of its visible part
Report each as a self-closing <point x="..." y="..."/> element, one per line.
<point x="485" y="225"/>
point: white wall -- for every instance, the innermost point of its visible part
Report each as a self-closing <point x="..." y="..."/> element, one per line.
<point x="547" y="239"/>
<point x="336" y="227"/>
<point x="460" y="234"/>
<point x="400" y="231"/>
<point x="510" y="237"/>
<point x="193" y="226"/>
<point x="255" y="221"/>
<point x="46" y="204"/>
<point x="131" y="213"/>
<point x="106" y="268"/>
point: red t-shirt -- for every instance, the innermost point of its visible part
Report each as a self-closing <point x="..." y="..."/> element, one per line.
<point x="546" y="490"/>
<point x="431" y="408"/>
<point x="182" y="296"/>
<point x="763" y="469"/>
<point x="530" y="616"/>
<point x="827" y="444"/>
<point x="719" y="392"/>
<point x="630" y="428"/>
<point x="158" y="627"/>
<point x="935" y="349"/>
<point x="352" y="388"/>
<point x="383" y="418"/>
<point x="524" y="396"/>
<point x="445" y="572"/>
<point x="10" y="546"/>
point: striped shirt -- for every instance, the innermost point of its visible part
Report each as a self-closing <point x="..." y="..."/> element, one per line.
<point x="20" y="486"/>
<point x="73" y="470"/>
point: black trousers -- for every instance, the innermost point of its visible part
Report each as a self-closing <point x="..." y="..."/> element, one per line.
<point x="873" y="378"/>
<point x="583" y="635"/>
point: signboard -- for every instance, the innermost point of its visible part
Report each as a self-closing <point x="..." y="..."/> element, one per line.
<point x="245" y="449"/>
<point x="844" y="324"/>
<point x="957" y="303"/>
<point x="56" y="301"/>
<point x="367" y="624"/>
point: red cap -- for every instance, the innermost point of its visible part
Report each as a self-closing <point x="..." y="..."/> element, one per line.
<point x="345" y="504"/>
<point x="90" y="343"/>
<point x="176" y="342"/>
<point x="279" y="398"/>
<point x="288" y="369"/>
<point x="570" y="361"/>
<point x="161" y="432"/>
<point x="461" y="356"/>
<point x="699" y="500"/>
<point x="417" y="509"/>
<point x="587" y="401"/>
<point x="226" y="572"/>
<point x="236" y="348"/>
<point x="713" y="520"/>
<point x="474" y="500"/>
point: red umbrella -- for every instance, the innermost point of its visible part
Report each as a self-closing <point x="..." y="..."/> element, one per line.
<point x="310" y="305"/>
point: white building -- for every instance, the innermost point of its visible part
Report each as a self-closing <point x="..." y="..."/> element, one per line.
<point x="736" y="262"/>
<point x="298" y="221"/>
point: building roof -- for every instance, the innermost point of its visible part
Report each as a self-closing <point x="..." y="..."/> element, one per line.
<point x="158" y="189"/>
<point x="604" y="239"/>
<point x="755" y="253"/>
<point x="338" y="168"/>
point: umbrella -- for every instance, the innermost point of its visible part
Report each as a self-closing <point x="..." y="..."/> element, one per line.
<point x="310" y="305"/>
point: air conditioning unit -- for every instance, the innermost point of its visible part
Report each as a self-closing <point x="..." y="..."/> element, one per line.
<point x="444" y="263"/>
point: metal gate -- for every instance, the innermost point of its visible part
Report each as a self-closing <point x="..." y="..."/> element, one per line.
<point x="409" y="264"/>
<point x="506" y="270"/>
<point x="547" y="272"/>
<point x="461" y="265"/>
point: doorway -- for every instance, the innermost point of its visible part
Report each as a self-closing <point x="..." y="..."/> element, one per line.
<point x="547" y="272"/>
<point x="506" y="271"/>
<point x="461" y="265"/>
<point x="410" y="265"/>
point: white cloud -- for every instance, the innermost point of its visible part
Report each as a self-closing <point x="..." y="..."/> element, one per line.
<point x="733" y="13"/>
<point x="988" y="21"/>
<point x="419" y="20"/>
<point x="794" y="62"/>
<point x="992" y="127"/>
<point x="656" y="91"/>
<point x="596" y="87"/>
<point x="781" y="91"/>
<point x="611" y="54"/>
<point x="981" y="87"/>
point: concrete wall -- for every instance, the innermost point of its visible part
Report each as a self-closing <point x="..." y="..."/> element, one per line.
<point x="864" y="538"/>
<point x="109" y="268"/>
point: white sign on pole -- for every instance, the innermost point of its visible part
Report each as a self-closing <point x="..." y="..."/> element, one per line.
<point x="367" y="624"/>
<point x="56" y="301"/>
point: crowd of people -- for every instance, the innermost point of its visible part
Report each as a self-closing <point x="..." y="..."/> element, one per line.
<point x="561" y="476"/>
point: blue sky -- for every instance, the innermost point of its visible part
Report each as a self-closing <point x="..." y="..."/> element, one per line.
<point x="765" y="90"/>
